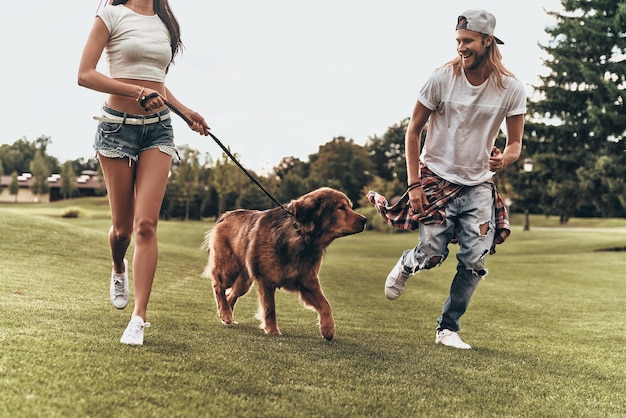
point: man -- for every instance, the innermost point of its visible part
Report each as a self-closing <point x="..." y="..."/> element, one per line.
<point x="449" y="180"/>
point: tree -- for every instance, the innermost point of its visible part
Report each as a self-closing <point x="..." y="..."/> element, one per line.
<point x="68" y="180"/>
<point x="576" y="116"/>
<point x="292" y="186"/>
<point x="252" y="197"/>
<point x="291" y="166"/>
<point x="605" y="184"/>
<point x="387" y="153"/>
<point x="18" y="156"/>
<point x="228" y="180"/>
<point x="293" y="179"/>
<point x="188" y="192"/>
<point x="342" y="164"/>
<point x="82" y="164"/>
<point x="14" y="186"/>
<point x="40" y="171"/>
<point x="187" y="175"/>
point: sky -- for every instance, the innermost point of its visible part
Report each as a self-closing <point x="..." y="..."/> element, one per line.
<point x="273" y="79"/>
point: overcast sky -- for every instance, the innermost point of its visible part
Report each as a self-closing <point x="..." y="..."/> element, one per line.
<point x="272" y="78"/>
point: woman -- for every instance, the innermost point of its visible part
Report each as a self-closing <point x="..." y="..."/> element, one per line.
<point x="134" y="140"/>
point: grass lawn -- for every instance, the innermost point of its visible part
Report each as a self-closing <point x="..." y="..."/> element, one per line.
<point x="546" y="326"/>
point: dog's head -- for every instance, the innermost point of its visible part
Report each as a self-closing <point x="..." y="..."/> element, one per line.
<point x="326" y="214"/>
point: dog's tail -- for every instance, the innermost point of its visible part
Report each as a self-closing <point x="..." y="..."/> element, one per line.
<point x="206" y="246"/>
<point x="207" y="241"/>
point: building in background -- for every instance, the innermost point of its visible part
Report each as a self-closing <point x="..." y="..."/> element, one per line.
<point x="87" y="184"/>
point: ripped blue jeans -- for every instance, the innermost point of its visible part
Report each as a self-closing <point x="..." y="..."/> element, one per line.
<point x="471" y="218"/>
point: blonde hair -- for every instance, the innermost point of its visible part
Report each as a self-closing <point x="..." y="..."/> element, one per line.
<point x="493" y="64"/>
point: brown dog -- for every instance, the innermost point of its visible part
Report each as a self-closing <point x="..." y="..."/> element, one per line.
<point x="278" y="251"/>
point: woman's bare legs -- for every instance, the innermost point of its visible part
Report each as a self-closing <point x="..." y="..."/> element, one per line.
<point x="135" y="193"/>
<point x="119" y="177"/>
<point x="151" y="176"/>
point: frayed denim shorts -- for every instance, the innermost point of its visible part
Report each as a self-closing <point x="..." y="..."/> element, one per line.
<point x="117" y="139"/>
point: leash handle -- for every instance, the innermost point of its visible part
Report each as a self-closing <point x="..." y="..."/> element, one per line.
<point x="144" y="99"/>
<point x="231" y="156"/>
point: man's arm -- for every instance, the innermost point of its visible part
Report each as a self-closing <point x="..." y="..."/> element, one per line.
<point x="513" y="149"/>
<point x="412" y="141"/>
<point x="417" y="197"/>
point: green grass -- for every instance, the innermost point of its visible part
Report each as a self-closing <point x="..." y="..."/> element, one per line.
<point x="546" y="326"/>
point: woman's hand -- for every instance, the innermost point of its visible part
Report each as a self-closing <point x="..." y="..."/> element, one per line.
<point x="150" y="100"/>
<point x="198" y="123"/>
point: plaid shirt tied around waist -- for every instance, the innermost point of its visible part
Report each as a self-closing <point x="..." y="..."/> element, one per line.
<point x="439" y="192"/>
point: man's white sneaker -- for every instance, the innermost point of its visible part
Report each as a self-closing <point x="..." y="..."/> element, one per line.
<point x="451" y="339"/>
<point x="133" y="335"/>
<point x="118" y="291"/>
<point x="396" y="281"/>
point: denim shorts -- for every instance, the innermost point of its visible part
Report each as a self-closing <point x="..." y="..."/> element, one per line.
<point x="121" y="140"/>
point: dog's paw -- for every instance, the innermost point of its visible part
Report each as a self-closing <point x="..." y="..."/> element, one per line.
<point x="273" y="331"/>
<point x="328" y="332"/>
<point x="229" y="321"/>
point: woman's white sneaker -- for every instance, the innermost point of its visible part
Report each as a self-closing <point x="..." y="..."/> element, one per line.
<point x="118" y="290"/>
<point x="451" y="339"/>
<point x="133" y="335"/>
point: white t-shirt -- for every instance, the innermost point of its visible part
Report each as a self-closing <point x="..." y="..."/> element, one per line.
<point x="139" y="46"/>
<point x="465" y="122"/>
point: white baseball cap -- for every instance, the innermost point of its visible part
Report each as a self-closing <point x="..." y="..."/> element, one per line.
<point x="478" y="20"/>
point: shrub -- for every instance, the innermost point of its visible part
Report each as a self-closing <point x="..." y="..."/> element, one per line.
<point x="72" y="213"/>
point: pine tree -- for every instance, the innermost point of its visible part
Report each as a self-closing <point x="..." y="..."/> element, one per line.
<point x="578" y="114"/>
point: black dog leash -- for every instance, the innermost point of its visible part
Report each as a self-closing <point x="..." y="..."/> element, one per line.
<point x="230" y="155"/>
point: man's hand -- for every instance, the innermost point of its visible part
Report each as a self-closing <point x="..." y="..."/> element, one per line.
<point x="496" y="161"/>
<point x="417" y="200"/>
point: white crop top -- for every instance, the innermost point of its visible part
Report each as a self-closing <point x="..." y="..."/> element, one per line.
<point x="139" y="46"/>
<point x="465" y="122"/>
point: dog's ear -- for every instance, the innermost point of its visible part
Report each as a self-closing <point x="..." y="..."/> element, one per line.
<point x="305" y="210"/>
